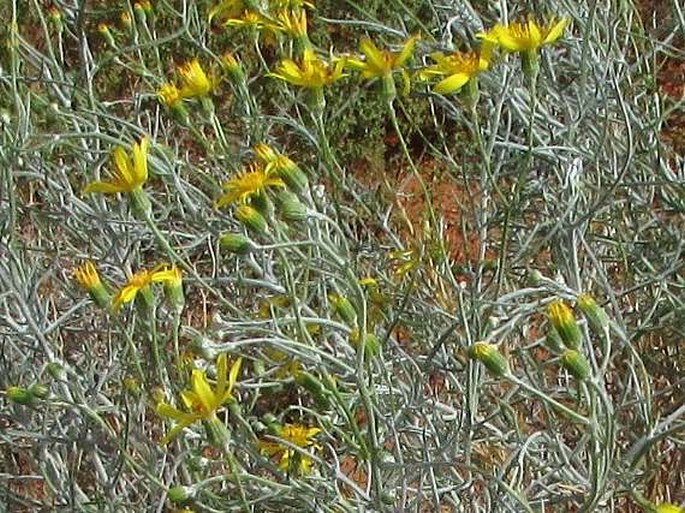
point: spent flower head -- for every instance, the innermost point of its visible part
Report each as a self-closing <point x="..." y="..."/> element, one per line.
<point x="201" y="401"/>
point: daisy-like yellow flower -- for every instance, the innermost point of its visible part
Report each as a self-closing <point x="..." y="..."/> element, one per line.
<point x="381" y="63"/>
<point x="457" y="68"/>
<point x="201" y="401"/>
<point x="195" y="82"/>
<point x="170" y="95"/>
<point x="141" y="280"/>
<point x="250" y="183"/>
<point x="288" y="458"/>
<point x="525" y="37"/>
<point x="311" y="72"/>
<point x="130" y="173"/>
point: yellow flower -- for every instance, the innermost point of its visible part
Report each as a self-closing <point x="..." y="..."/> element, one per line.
<point x="669" y="508"/>
<point x="287" y="457"/>
<point x="312" y="72"/>
<point x="248" y="184"/>
<point x="253" y="20"/>
<point x="195" y="82"/>
<point x="293" y="22"/>
<point x="228" y="9"/>
<point x="377" y="63"/>
<point x="201" y="401"/>
<point x="524" y="37"/>
<point x="170" y="95"/>
<point x="87" y="276"/>
<point x="130" y="173"/>
<point x="458" y="69"/>
<point x="143" y="279"/>
<point x="290" y="4"/>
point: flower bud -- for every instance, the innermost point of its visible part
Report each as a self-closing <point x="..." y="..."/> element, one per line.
<point x="19" y="395"/>
<point x="236" y="243"/>
<point x="561" y="317"/>
<point x="314" y="386"/>
<point x="39" y="391"/>
<point x="252" y="219"/>
<point x="106" y="33"/>
<point x="140" y="203"/>
<point x="217" y="433"/>
<point x="181" y="494"/>
<point x="576" y="364"/>
<point x="173" y="289"/>
<point x="290" y="207"/>
<point x="489" y="355"/>
<point x="371" y="345"/>
<point x="343" y="307"/>
<point x="234" y="69"/>
<point x="553" y="340"/>
<point x="597" y="318"/>
<point x="87" y="276"/>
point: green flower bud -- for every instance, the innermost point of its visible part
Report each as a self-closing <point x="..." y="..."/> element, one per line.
<point x="181" y="494"/>
<point x="372" y="345"/>
<point x="252" y="219"/>
<point x="290" y="207"/>
<point x="314" y="386"/>
<point x="563" y="320"/>
<point x="39" y="391"/>
<point x="236" y="243"/>
<point x="553" y="340"/>
<point x="140" y="203"/>
<point x="596" y="316"/>
<point x="489" y="355"/>
<point x="217" y="433"/>
<point x="19" y="395"/>
<point x="343" y="307"/>
<point x="576" y="364"/>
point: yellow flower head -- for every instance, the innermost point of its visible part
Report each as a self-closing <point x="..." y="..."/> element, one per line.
<point x="287" y="457"/>
<point x="130" y="173"/>
<point x="381" y="63"/>
<point x="228" y="9"/>
<point x="293" y="22"/>
<point x="252" y="20"/>
<point x="669" y="508"/>
<point x="311" y="72"/>
<point x="195" y="82"/>
<point x="290" y="4"/>
<point x="524" y="37"/>
<point x="201" y="401"/>
<point x="248" y="184"/>
<point x="170" y="95"/>
<point x="143" y="279"/>
<point x="457" y="69"/>
<point x="87" y="276"/>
